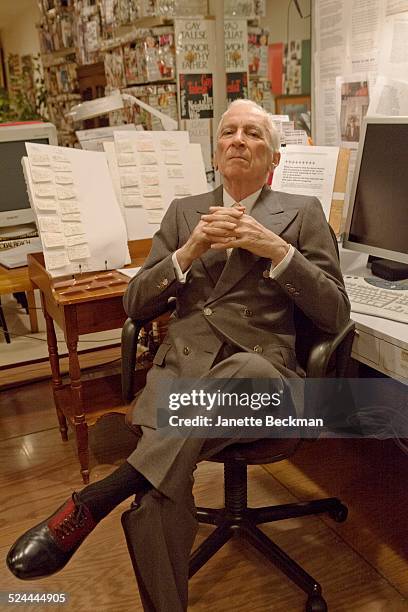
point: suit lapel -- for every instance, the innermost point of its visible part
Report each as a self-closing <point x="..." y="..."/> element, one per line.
<point x="268" y="211"/>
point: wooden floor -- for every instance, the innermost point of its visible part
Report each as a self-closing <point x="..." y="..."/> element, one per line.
<point x="362" y="564"/>
<point x="20" y="373"/>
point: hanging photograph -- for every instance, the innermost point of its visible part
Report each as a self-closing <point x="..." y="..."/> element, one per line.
<point x="354" y="101"/>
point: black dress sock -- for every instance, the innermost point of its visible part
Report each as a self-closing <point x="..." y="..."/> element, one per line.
<point x="103" y="496"/>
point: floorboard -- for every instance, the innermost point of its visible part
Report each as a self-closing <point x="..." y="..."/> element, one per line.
<point x="362" y="564"/>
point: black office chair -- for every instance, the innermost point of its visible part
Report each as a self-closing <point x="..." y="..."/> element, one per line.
<point x="321" y="355"/>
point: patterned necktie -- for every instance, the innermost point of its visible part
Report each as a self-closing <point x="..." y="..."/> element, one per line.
<point x="229" y="251"/>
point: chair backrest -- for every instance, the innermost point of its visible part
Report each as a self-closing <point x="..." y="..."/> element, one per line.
<point x="309" y="337"/>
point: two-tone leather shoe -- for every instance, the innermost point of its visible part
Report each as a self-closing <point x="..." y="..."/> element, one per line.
<point x="47" y="547"/>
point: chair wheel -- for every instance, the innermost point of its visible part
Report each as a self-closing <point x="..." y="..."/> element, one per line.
<point x="316" y="603"/>
<point x="340" y="514"/>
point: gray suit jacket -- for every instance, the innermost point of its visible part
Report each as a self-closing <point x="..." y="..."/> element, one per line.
<point x="234" y="299"/>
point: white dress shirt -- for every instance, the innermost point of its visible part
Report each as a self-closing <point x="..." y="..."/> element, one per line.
<point x="248" y="202"/>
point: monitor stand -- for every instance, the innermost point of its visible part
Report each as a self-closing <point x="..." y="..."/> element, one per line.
<point x="387" y="269"/>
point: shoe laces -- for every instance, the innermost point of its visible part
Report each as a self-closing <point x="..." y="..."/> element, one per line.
<point x="73" y="521"/>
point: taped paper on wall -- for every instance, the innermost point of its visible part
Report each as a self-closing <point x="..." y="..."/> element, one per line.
<point x="50" y="224"/>
<point x="52" y="240"/>
<point x="57" y="260"/>
<point x="46" y="204"/>
<point x="41" y="175"/>
<point x="44" y="191"/>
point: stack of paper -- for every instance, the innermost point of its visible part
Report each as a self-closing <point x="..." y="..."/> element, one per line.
<point x="78" y="216"/>
<point x="150" y="169"/>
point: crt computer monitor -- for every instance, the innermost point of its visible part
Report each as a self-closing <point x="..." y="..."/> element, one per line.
<point x="14" y="203"/>
<point x="377" y="218"/>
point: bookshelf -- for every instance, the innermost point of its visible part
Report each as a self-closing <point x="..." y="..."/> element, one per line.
<point x="134" y="42"/>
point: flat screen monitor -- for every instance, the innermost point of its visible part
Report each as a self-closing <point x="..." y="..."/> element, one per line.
<point x="377" y="219"/>
<point x="14" y="203"/>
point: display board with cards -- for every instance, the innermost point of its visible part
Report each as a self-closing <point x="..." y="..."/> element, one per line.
<point x="150" y="169"/>
<point x="78" y="216"/>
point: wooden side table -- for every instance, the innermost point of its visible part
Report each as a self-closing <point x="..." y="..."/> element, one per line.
<point x="18" y="280"/>
<point x="92" y="304"/>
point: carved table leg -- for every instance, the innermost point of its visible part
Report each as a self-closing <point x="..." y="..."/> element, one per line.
<point x="80" y="424"/>
<point x="55" y="370"/>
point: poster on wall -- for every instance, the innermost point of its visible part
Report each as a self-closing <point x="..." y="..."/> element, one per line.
<point x="352" y="104"/>
<point x="195" y="60"/>
<point x="200" y="132"/>
<point x="368" y="42"/>
<point x="354" y="38"/>
<point x="275" y="67"/>
<point x="329" y="62"/>
<point x="236" y="45"/>
<point x="237" y="85"/>
<point x="388" y="97"/>
<point x="292" y="67"/>
<point x="196" y="96"/>
<point x="393" y="59"/>
<point x="296" y="73"/>
<point x="258" y="52"/>
<point x="289" y="67"/>
<point x="236" y="58"/>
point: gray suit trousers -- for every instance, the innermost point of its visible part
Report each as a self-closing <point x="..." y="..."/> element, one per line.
<point x="161" y="529"/>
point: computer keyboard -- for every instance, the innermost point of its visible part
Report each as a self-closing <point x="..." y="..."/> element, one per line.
<point x="368" y="299"/>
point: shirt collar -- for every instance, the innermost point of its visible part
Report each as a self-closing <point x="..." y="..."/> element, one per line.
<point x="248" y="202"/>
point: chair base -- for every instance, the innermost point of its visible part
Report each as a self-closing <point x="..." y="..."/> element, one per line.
<point x="244" y="522"/>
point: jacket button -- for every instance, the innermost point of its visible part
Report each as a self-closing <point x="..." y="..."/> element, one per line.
<point x="163" y="283"/>
<point x="207" y="311"/>
<point x="186" y="350"/>
<point x="258" y="348"/>
<point x="247" y="312"/>
<point x="266" y="274"/>
<point x="289" y="285"/>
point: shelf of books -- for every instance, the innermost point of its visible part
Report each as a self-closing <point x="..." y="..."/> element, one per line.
<point x="136" y="41"/>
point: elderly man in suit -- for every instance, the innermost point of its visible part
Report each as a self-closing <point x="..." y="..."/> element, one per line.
<point x="237" y="260"/>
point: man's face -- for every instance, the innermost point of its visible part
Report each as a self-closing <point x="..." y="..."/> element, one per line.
<point x="242" y="150"/>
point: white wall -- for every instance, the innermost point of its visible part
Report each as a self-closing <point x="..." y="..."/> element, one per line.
<point x="276" y="20"/>
<point x="17" y="27"/>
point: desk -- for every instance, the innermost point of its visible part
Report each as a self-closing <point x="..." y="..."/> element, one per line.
<point x="379" y="343"/>
<point x="86" y="312"/>
<point x="17" y="280"/>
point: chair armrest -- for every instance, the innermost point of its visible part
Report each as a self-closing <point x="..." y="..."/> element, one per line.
<point x="130" y="334"/>
<point x="324" y="348"/>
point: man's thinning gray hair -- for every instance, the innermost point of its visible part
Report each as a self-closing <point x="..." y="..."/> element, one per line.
<point x="272" y="134"/>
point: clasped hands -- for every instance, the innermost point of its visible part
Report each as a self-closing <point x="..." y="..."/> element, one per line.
<point x="225" y="228"/>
